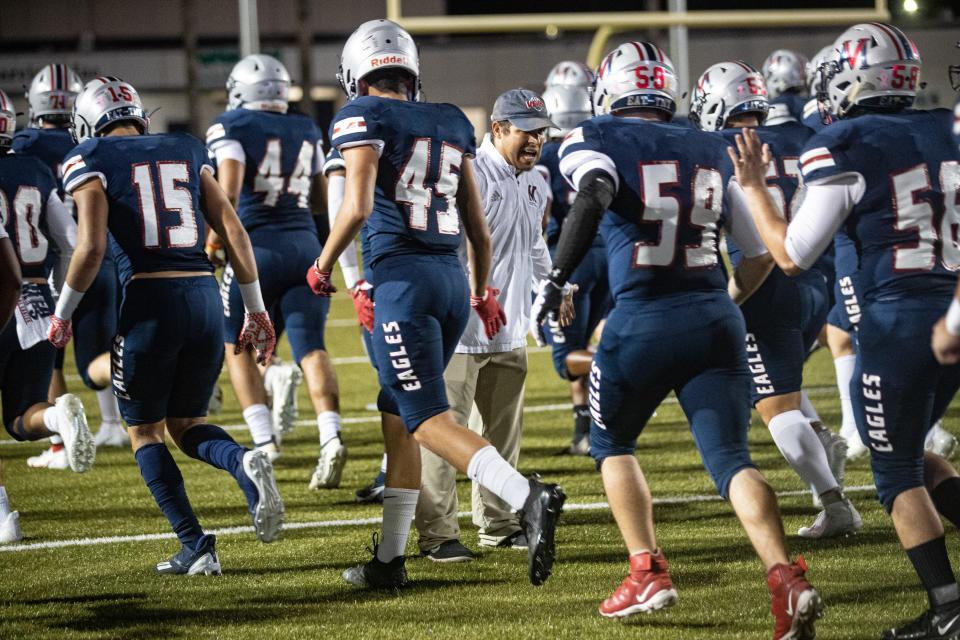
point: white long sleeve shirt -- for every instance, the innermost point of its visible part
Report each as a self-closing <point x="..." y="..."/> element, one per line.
<point x="514" y="205"/>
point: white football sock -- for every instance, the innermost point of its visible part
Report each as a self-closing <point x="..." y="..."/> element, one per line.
<point x="488" y="468"/>
<point x="399" y="507"/>
<point x="844" y="366"/>
<point x="109" y="409"/>
<point x="383" y="464"/>
<point x="54" y="440"/>
<point x="4" y="503"/>
<point x="807" y="408"/>
<point x="328" y="423"/>
<point x="257" y="417"/>
<point x="802" y="449"/>
<point x="50" y="420"/>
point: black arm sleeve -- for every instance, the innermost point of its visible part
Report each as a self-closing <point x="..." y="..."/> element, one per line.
<point x="595" y="194"/>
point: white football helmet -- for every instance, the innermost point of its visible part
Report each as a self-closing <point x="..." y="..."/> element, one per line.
<point x="569" y="74"/>
<point x="813" y="69"/>
<point x="375" y="45"/>
<point x="727" y="89"/>
<point x="8" y="121"/>
<point x="567" y="107"/>
<point x="104" y="101"/>
<point x="51" y="95"/>
<point x="784" y="70"/>
<point x="258" y="81"/>
<point x="873" y="66"/>
<point x="635" y="75"/>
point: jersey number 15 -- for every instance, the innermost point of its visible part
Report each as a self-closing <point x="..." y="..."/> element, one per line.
<point x="174" y="196"/>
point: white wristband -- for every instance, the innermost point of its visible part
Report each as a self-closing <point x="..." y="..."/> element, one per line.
<point x="953" y="318"/>
<point x="67" y="302"/>
<point x="252" y="298"/>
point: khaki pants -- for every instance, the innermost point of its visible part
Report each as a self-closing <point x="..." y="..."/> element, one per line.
<point x="492" y="386"/>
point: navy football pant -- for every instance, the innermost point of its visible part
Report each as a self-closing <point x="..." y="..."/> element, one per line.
<point x="898" y="389"/>
<point x="652" y="347"/>
<point x="168" y="353"/>
<point x="421" y="311"/>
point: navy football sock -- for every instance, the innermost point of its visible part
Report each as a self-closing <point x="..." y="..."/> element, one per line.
<point x="213" y="445"/>
<point x="946" y="497"/>
<point x="932" y="565"/>
<point x="162" y="476"/>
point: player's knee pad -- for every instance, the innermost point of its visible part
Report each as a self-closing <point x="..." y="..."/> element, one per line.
<point x="15" y="428"/>
<point x="895" y="475"/>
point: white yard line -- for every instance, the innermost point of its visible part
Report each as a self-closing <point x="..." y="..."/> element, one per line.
<point x="359" y="522"/>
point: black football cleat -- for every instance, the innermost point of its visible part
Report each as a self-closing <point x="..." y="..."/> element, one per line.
<point x="932" y="625"/>
<point x="539" y="521"/>
<point x="375" y="574"/>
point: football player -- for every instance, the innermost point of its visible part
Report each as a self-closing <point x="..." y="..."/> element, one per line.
<point x="657" y="192"/>
<point x="409" y="178"/>
<point x="269" y="161"/>
<point x="153" y="194"/>
<point x="567" y="97"/>
<point x="784" y="73"/>
<point x="34" y="217"/>
<point x="10" y="288"/>
<point x="50" y="99"/>
<point x="900" y="210"/>
<point x="728" y="96"/>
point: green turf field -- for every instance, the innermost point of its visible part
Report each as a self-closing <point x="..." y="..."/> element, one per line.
<point x="292" y="588"/>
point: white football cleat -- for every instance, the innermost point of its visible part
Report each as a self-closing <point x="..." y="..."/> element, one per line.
<point x="940" y="441"/>
<point x="50" y="459"/>
<point x="10" y="528"/>
<point x="855" y="448"/>
<point x="268" y="513"/>
<point x="837" y="519"/>
<point x="77" y="439"/>
<point x="330" y="464"/>
<point x="111" y="434"/>
<point x="284" y="380"/>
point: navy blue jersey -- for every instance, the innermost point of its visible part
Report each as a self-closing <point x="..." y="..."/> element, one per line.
<point x="280" y="159"/>
<point x="50" y="145"/>
<point x="563" y="193"/>
<point x="25" y="186"/>
<point x="152" y="184"/>
<point x="812" y="119"/>
<point x="793" y="102"/>
<point x="421" y="149"/>
<point x="662" y="228"/>
<point x="333" y="162"/>
<point x="905" y="225"/>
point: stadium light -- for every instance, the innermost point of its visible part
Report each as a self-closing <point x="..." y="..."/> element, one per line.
<point x="910" y="6"/>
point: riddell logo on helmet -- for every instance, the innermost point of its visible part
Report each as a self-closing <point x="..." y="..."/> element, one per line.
<point x="391" y="59"/>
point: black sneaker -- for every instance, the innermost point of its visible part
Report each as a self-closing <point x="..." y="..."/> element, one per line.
<point x="449" y="551"/>
<point x="376" y="574"/>
<point x="539" y="521"/>
<point x="373" y="492"/>
<point x="932" y="625"/>
<point x="202" y="560"/>
<point x="516" y="540"/>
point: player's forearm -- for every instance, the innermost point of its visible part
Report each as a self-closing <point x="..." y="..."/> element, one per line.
<point x="478" y="257"/>
<point x="748" y="276"/>
<point x="771" y="226"/>
<point x="239" y="250"/>
<point x="347" y="225"/>
<point x="595" y="194"/>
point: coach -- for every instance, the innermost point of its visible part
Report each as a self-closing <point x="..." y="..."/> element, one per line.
<point x="491" y="372"/>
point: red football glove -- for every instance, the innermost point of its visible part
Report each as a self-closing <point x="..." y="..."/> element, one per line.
<point x="320" y="282"/>
<point x="258" y="333"/>
<point x="60" y="331"/>
<point x="489" y="311"/>
<point x="363" y="305"/>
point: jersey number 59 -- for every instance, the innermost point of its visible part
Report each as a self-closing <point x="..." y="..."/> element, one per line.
<point x="914" y="203"/>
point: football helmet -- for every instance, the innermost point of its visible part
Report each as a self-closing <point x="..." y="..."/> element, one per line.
<point x="727" y="89"/>
<point x="635" y="75"/>
<point x="784" y="70"/>
<point x="569" y="74"/>
<point x="813" y="69"/>
<point x="375" y="45"/>
<point x="567" y="106"/>
<point x="104" y="101"/>
<point x="258" y="81"/>
<point x="872" y="66"/>
<point x="51" y="95"/>
<point x="8" y="121"/>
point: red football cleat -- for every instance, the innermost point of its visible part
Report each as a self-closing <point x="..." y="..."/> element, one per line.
<point x="795" y="605"/>
<point x="646" y="589"/>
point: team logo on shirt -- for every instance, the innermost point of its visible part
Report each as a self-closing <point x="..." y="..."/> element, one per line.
<point x="349" y="125"/>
